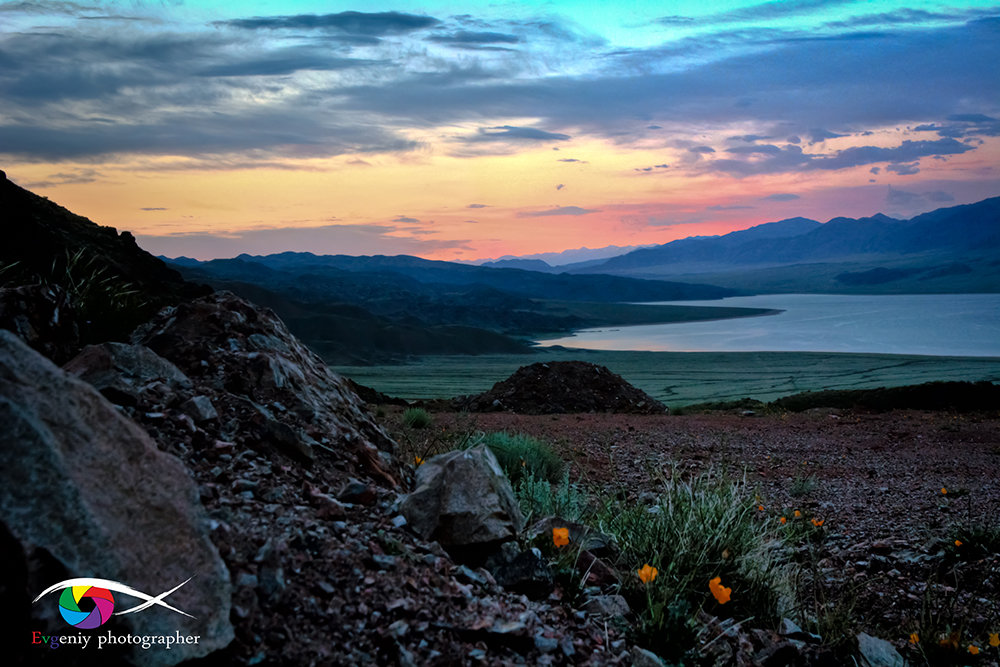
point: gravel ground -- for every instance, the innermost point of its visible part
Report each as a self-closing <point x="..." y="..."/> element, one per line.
<point x="895" y="490"/>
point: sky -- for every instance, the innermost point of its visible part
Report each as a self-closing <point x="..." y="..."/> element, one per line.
<point x="482" y="129"/>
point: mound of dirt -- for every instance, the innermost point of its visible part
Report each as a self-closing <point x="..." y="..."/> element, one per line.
<point x="559" y="387"/>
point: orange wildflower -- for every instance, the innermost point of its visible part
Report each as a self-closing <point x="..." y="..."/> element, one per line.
<point x="944" y="491"/>
<point x="647" y="573"/>
<point x="783" y="521"/>
<point x="560" y="536"/>
<point x="797" y="514"/>
<point x="958" y="543"/>
<point x="417" y="460"/>
<point x="760" y="507"/>
<point x="720" y="592"/>
<point x="818" y="522"/>
<point x="994" y="639"/>
<point x="973" y="649"/>
<point x="914" y="638"/>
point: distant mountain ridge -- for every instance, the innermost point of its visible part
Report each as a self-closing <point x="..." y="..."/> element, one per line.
<point x="947" y="249"/>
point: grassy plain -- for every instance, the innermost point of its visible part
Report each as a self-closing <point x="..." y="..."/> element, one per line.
<point x="683" y="378"/>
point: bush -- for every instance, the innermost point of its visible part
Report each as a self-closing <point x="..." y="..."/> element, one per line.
<point x="520" y="455"/>
<point x="417" y="418"/>
<point x="698" y="530"/>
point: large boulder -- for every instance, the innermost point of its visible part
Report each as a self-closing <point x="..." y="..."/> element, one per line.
<point x="557" y="387"/>
<point x="270" y="391"/>
<point x="84" y="492"/>
<point x="464" y="501"/>
<point x="126" y="374"/>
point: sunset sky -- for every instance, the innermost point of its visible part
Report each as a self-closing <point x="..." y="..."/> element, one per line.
<point x="465" y="130"/>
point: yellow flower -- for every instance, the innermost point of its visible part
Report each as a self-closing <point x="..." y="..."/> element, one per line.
<point x="647" y="573"/>
<point x="914" y="638"/>
<point x="560" y="536"/>
<point x="958" y="543"/>
<point x="994" y="639"/>
<point x="417" y="460"/>
<point x="818" y="522"/>
<point x="783" y="521"/>
<point x="797" y="514"/>
<point x="973" y="649"/>
<point x="720" y="592"/>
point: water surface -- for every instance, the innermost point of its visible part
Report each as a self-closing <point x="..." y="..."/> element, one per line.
<point x="926" y="324"/>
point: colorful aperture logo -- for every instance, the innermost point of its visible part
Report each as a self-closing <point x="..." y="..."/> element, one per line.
<point x="87" y="603"/>
<point x="100" y="601"/>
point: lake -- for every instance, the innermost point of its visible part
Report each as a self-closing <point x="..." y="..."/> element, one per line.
<point x="925" y="324"/>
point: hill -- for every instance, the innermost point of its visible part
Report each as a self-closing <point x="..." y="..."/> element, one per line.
<point x="947" y="250"/>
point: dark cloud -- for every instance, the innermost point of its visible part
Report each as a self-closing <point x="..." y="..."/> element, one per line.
<point x="560" y="186"/>
<point x="477" y="206"/>
<point x="675" y="20"/>
<point x="571" y="159"/>
<point x="701" y="149"/>
<point x="647" y="170"/>
<point x="465" y="37"/>
<point x="405" y="219"/>
<point x="562" y="210"/>
<point x="153" y="208"/>
<point x="788" y="158"/>
<point x="513" y="133"/>
<point x="781" y="196"/>
<point x="908" y="16"/>
<point x="939" y="196"/>
<point x="356" y="23"/>
<point x="78" y="177"/>
<point x="281" y="63"/>
<point x="817" y="135"/>
<point x="875" y="170"/>
<point x="768" y="11"/>
<point x="907" y="169"/>
<point x="719" y="207"/>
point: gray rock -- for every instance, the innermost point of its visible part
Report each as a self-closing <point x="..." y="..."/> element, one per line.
<point x="200" y="409"/>
<point x="643" y="658"/>
<point x="606" y="605"/>
<point x="463" y="499"/>
<point x="124" y="373"/>
<point x="87" y="486"/>
<point x="875" y="652"/>
<point x="524" y="572"/>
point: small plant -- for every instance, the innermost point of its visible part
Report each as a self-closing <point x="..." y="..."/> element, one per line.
<point x="417" y="418"/>
<point x="520" y="455"/>
<point x="802" y="485"/>
<point x="540" y="497"/>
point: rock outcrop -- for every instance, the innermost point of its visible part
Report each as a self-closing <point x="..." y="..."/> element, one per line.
<point x="84" y="492"/>
<point x="558" y="387"/>
<point x="271" y="392"/>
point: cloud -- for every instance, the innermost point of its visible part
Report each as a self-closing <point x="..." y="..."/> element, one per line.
<point x="328" y="239"/>
<point x="904" y="199"/>
<point x="153" y="208"/>
<point x="513" y="133"/>
<point x="78" y="177"/>
<point x="719" y="207"/>
<point x="405" y="219"/>
<point x="560" y="186"/>
<point x="904" y="169"/>
<point x="791" y="158"/>
<point x="701" y="149"/>
<point x="655" y="167"/>
<point x="477" y="206"/>
<point x="469" y="38"/>
<point x="571" y="159"/>
<point x="817" y="135"/>
<point x="780" y="196"/>
<point x="562" y="210"/>
<point x="769" y="11"/>
<point x="356" y="23"/>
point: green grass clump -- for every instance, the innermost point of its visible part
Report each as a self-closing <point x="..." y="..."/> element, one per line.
<point x="699" y="529"/>
<point x="521" y="455"/>
<point x="417" y="418"/>
<point x="540" y="498"/>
